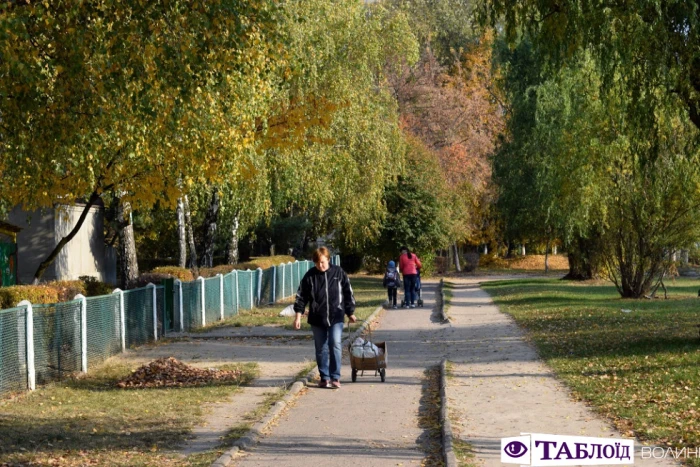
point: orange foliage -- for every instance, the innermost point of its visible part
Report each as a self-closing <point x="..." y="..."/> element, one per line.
<point x="457" y="114"/>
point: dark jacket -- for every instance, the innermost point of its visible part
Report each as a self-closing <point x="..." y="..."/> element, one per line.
<point x="329" y="294"/>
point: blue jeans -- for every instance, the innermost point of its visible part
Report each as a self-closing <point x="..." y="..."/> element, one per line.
<point x="329" y="352"/>
<point x="409" y="288"/>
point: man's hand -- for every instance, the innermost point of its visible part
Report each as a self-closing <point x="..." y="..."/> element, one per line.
<point x="352" y="319"/>
<point x="297" y="321"/>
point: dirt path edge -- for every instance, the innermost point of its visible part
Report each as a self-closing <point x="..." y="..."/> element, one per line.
<point x="448" y="454"/>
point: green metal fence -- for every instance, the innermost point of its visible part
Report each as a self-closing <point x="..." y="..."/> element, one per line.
<point x="42" y="343"/>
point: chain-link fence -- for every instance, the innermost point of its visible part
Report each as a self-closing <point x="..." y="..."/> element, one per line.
<point x="42" y="343"/>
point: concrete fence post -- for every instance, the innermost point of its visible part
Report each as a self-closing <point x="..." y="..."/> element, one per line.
<point x="29" y="335"/>
<point x="274" y="284"/>
<point x="202" y="295"/>
<point x="83" y="332"/>
<point x="182" y="313"/>
<point x="221" y="296"/>
<point x="154" y="310"/>
<point x="122" y="323"/>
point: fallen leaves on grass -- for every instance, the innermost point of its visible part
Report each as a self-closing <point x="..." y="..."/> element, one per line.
<point x="170" y="372"/>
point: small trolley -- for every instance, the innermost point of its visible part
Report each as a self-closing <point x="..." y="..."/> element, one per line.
<point x="376" y="363"/>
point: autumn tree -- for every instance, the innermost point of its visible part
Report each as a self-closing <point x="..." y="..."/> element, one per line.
<point x="140" y="98"/>
<point x="450" y="102"/>
<point x="333" y="139"/>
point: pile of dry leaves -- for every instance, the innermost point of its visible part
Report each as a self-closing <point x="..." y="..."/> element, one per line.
<point x="170" y="372"/>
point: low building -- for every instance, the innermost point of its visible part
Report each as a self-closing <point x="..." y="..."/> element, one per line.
<point x="85" y="255"/>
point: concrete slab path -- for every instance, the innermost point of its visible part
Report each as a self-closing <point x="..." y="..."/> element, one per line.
<point x="367" y="423"/>
<point x="500" y="388"/>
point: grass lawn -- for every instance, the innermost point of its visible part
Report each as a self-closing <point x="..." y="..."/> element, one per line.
<point x="89" y="421"/>
<point x="369" y="294"/>
<point x="640" y="368"/>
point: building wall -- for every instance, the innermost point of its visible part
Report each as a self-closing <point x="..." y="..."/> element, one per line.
<point x="85" y="255"/>
<point x="34" y="242"/>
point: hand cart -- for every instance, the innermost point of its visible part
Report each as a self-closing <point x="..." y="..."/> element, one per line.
<point x="376" y="363"/>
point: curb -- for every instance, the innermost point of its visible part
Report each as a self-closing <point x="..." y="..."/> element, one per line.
<point x="441" y="294"/>
<point x="447" y="452"/>
<point x="253" y="435"/>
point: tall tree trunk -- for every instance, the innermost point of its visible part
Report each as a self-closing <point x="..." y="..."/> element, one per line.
<point x="522" y="249"/>
<point x="583" y="259"/>
<point x="190" y="238"/>
<point x="210" y="221"/>
<point x="181" y="235"/>
<point x="546" y="258"/>
<point x="59" y="246"/>
<point x="554" y="250"/>
<point x="457" y="265"/>
<point x="233" y="246"/>
<point x="128" y="262"/>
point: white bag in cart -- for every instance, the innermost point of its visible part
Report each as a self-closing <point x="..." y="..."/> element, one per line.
<point x="364" y="349"/>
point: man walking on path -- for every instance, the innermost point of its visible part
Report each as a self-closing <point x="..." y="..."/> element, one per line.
<point x="499" y="389"/>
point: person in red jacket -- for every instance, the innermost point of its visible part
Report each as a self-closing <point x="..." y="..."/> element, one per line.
<point x="409" y="265"/>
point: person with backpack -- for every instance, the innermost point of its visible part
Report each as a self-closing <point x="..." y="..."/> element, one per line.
<point x="391" y="282"/>
<point x="409" y="265"/>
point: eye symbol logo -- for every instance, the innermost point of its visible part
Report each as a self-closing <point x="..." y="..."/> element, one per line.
<point x="515" y="449"/>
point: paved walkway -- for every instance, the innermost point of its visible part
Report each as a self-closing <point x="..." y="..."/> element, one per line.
<point x="499" y="389"/>
<point x="367" y="423"/>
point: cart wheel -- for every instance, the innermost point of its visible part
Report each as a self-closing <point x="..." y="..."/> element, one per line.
<point x="354" y="376"/>
<point x="382" y="374"/>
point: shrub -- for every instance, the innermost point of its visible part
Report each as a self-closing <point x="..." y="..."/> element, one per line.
<point x="490" y="260"/>
<point x="223" y="269"/>
<point x="471" y="261"/>
<point x="149" y="277"/>
<point x="183" y="274"/>
<point x="11" y="296"/>
<point x="94" y="287"/>
<point x="352" y="263"/>
<point x="262" y="262"/>
<point x="67" y="290"/>
<point x="429" y="268"/>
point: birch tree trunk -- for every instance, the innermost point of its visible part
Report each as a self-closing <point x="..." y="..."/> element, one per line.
<point x="190" y="239"/>
<point x="181" y="233"/>
<point x="546" y="258"/>
<point x="128" y="262"/>
<point x="233" y="247"/>
<point x="210" y="221"/>
<point x="457" y="265"/>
